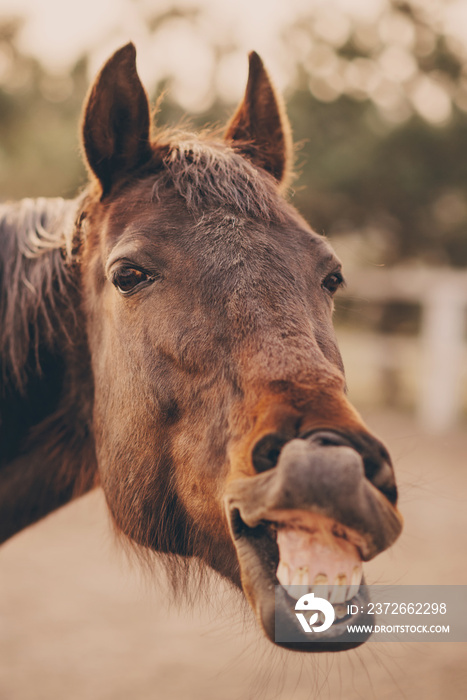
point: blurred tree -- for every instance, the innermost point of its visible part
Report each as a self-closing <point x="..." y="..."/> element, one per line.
<point x="381" y="108"/>
<point x="38" y="123"/>
<point x="402" y="190"/>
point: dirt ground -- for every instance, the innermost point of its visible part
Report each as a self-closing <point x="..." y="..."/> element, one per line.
<point x="78" y="621"/>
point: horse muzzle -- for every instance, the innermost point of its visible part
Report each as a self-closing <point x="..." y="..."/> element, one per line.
<point x="307" y="524"/>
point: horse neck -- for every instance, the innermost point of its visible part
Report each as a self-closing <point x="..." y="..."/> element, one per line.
<point x="46" y="446"/>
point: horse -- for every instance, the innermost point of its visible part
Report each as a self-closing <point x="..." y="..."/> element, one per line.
<point x="167" y="335"/>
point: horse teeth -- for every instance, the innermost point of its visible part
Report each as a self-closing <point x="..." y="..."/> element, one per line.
<point x="299" y="583"/>
<point x="283" y="573"/>
<point x="296" y="592"/>
<point x="355" y="582"/>
<point x="300" y="576"/>
<point x="339" y="590"/>
<point x="320" y="586"/>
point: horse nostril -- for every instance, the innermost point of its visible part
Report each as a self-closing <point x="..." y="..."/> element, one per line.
<point x="381" y="475"/>
<point x="266" y="452"/>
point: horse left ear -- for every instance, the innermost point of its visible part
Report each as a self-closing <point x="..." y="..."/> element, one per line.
<point x="260" y="129"/>
<point x="116" y="123"/>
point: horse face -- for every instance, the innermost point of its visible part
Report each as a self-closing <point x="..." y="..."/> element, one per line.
<point x="221" y="422"/>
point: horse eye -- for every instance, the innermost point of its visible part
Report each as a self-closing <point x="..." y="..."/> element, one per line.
<point x="332" y="282"/>
<point x="128" y="278"/>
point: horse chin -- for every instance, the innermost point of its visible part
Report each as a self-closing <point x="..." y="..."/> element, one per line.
<point x="274" y="601"/>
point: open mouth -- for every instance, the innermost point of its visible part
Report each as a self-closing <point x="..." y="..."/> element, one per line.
<point x="298" y="552"/>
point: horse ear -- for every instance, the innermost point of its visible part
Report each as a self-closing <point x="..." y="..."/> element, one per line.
<point x="116" y="122"/>
<point x="260" y="129"/>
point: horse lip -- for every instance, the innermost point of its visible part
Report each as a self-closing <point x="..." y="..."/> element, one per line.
<point x="249" y="507"/>
<point x="365" y="510"/>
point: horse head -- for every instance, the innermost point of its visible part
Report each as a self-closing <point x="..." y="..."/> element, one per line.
<point x="221" y="423"/>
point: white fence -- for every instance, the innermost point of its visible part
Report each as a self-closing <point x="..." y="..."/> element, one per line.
<point x="442" y="294"/>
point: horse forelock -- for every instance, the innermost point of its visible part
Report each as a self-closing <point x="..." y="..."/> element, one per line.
<point x="36" y="247"/>
<point x="209" y="172"/>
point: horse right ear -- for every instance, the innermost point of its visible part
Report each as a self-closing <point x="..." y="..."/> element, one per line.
<point x="259" y="128"/>
<point x="116" y="122"/>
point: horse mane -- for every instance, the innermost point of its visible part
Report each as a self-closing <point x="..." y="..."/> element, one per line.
<point x="36" y="243"/>
<point x="207" y="171"/>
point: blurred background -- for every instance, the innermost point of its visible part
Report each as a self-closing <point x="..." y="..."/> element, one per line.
<point x="376" y="93"/>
